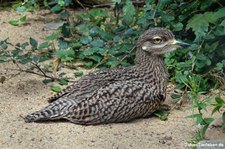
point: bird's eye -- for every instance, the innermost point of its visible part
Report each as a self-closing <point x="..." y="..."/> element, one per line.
<point x="157" y="40"/>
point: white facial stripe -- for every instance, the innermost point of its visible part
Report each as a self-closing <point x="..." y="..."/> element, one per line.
<point x="160" y="45"/>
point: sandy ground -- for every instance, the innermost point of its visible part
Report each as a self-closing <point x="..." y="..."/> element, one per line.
<point x="23" y="93"/>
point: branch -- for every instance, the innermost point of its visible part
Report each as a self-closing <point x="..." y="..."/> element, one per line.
<point x="32" y="72"/>
<point x="38" y="67"/>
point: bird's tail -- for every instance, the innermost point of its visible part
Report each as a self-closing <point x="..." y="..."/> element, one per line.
<point x="56" y="110"/>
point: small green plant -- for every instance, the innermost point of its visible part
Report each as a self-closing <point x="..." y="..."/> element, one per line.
<point x="219" y="105"/>
<point x="201" y="105"/>
<point x="203" y="122"/>
<point x="18" y="22"/>
<point x="163" y="115"/>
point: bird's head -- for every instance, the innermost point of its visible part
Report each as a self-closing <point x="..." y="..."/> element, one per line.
<point x="159" y="41"/>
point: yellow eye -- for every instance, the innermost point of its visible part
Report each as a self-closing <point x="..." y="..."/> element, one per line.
<point x="157" y="40"/>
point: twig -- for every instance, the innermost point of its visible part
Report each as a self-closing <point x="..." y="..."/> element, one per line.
<point x="156" y="9"/>
<point x="32" y="72"/>
<point x="103" y="5"/>
<point x="79" y="3"/>
<point x="36" y="65"/>
<point x="96" y="66"/>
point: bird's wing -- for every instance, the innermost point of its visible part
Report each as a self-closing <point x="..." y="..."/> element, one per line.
<point x="92" y="82"/>
<point x="115" y="102"/>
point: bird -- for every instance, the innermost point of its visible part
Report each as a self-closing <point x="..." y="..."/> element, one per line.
<point x="120" y="94"/>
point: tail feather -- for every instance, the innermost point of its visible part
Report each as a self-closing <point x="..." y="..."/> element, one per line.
<point x="56" y="110"/>
<point x="38" y="116"/>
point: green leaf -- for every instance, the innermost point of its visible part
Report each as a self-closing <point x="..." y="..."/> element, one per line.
<point x="167" y="17"/>
<point x="55" y="88"/>
<point x="209" y="17"/>
<point x="63" y="44"/>
<point x="205" y="4"/>
<point x="178" y="26"/>
<point x="181" y="78"/>
<point x="97" y="43"/>
<point x="112" y="63"/>
<point x="199" y="25"/>
<point x="61" y="3"/>
<point x="190" y="107"/>
<point x="66" y="30"/>
<point x="88" y="64"/>
<point x="216" y="108"/>
<point x="163" y="115"/>
<point x="175" y="96"/>
<point x="69" y="52"/>
<point x="199" y="119"/>
<point x="35" y="59"/>
<point x="96" y="58"/>
<point x="14" y="22"/>
<point x="101" y="51"/>
<point x="85" y="39"/>
<point x="208" y="100"/>
<point x="44" y="45"/>
<point x="3" y="45"/>
<point x="21" y="9"/>
<point x="53" y="36"/>
<point x="75" y="44"/>
<point x="63" y="82"/>
<point x="91" y="51"/>
<point x="219" y="100"/>
<point x="68" y="2"/>
<point x="98" y="13"/>
<point x="202" y="131"/>
<point x="79" y="74"/>
<point x="33" y="43"/>
<point x="220" y="13"/>
<point x="62" y="74"/>
<point x="56" y="8"/>
<point x="223" y="24"/>
<point x="106" y="36"/>
<point x="193" y="116"/>
<point x="117" y="1"/>
<point x="46" y="81"/>
<point x="23" y="19"/>
<point x="65" y="55"/>
<point x="129" y="12"/>
<point x="219" y="66"/>
<point x="208" y="120"/>
<point x="202" y="106"/>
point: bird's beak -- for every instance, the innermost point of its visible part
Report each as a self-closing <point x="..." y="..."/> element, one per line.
<point x="180" y="43"/>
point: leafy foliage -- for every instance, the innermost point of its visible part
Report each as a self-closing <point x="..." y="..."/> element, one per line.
<point x="201" y="105"/>
<point x="204" y="122"/>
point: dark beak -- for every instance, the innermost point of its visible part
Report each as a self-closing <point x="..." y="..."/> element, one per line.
<point x="180" y="43"/>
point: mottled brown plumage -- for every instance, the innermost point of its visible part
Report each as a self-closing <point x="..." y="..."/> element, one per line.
<point x="117" y="95"/>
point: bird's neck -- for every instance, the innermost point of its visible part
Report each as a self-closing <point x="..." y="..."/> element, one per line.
<point x="153" y="68"/>
<point x="149" y="60"/>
